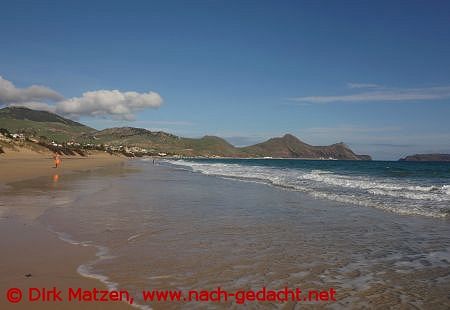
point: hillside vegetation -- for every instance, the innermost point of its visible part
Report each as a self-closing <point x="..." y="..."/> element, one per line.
<point x="46" y="125"/>
<point x="41" y="124"/>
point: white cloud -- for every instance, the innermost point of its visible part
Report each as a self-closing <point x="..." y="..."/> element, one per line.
<point x="10" y="94"/>
<point x="363" y="85"/>
<point x="398" y="94"/>
<point x="119" y="105"/>
<point x="103" y="103"/>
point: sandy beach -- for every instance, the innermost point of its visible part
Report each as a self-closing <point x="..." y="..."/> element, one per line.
<point x="32" y="256"/>
<point x="225" y="155"/>
<point x="22" y="164"/>
<point x="165" y="228"/>
<point x="133" y="225"/>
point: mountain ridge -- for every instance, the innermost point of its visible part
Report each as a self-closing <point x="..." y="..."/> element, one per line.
<point x="22" y="113"/>
<point x="46" y="124"/>
<point x="427" y="157"/>
<point x="41" y="124"/>
<point x="289" y="146"/>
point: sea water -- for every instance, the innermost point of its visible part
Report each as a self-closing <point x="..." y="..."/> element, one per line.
<point x="376" y="232"/>
<point x="415" y="188"/>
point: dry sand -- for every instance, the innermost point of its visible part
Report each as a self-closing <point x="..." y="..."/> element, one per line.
<point x="27" y="247"/>
<point x="22" y="164"/>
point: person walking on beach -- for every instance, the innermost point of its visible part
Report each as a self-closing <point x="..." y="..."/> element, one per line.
<point x="57" y="159"/>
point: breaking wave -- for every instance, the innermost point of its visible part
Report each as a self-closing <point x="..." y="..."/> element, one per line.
<point x="403" y="196"/>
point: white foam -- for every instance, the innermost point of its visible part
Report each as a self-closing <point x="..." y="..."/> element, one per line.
<point x="131" y="238"/>
<point x="400" y="196"/>
<point x="86" y="270"/>
<point x="446" y="189"/>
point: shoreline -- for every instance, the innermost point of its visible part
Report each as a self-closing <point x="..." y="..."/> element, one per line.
<point x="34" y="256"/>
<point x="26" y="263"/>
<point x="358" y="251"/>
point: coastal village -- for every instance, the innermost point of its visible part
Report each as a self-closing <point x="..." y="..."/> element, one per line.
<point x="73" y="148"/>
<point x="19" y="125"/>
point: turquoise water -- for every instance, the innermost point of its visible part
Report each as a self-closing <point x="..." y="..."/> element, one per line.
<point x="410" y="188"/>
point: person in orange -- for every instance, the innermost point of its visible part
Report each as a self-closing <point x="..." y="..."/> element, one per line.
<point x="57" y="159"/>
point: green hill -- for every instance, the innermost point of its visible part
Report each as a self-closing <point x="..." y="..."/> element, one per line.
<point x="60" y="129"/>
<point x="162" y="142"/>
<point x="41" y="124"/>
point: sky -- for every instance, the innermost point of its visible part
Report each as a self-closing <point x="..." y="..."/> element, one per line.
<point x="372" y="74"/>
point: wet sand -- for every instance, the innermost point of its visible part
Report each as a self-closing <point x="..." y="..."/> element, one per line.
<point x="28" y="248"/>
<point x="164" y="228"/>
<point x="31" y="255"/>
<point x="158" y="227"/>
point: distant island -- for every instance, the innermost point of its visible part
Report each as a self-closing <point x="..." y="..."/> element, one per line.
<point x="427" y="157"/>
<point x="67" y="136"/>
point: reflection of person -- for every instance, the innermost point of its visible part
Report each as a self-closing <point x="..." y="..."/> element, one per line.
<point x="57" y="160"/>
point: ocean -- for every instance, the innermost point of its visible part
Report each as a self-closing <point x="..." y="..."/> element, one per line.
<point x="410" y="188"/>
<point x="376" y="232"/>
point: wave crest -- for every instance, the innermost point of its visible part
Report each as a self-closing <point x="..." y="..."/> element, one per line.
<point x="399" y="196"/>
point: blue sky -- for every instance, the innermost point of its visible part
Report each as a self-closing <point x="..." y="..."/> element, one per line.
<point x="373" y="74"/>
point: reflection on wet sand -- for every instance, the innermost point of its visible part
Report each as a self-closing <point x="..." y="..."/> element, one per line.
<point x="162" y="228"/>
